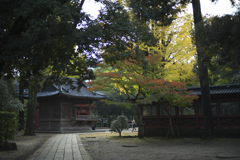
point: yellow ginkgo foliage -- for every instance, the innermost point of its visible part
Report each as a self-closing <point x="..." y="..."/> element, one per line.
<point x="175" y="45"/>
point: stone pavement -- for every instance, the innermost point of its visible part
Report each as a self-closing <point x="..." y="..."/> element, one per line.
<point x="66" y="146"/>
<point x="62" y="147"/>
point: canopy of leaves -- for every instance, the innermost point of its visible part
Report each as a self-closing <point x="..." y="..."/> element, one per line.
<point x="220" y="41"/>
<point x="163" y="11"/>
<point x="106" y="110"/>
<point x="137" y="82"/>
<point x="175" y="45"/>
<point x="37" y="34"/>
<point x="7" y="100"/>
<point x="121" y="32"/>
<point x="124" y="32"/>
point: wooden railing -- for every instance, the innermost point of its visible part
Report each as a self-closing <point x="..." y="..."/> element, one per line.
<point x="219" y="121"/>
<point x="81" y="117"/>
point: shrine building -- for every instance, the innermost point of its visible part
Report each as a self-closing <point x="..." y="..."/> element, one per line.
<point x="225" y="104"/>
<point x="62" y="108"/>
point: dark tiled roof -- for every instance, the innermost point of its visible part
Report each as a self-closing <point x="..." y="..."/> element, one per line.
<point x="220" y="89"/>
<point x="66" y="90"/>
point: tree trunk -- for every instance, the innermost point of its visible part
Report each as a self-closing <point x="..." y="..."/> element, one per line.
<point x="140" y="128"/>
<point x="2" y="63"/>
<point x="21" y="113"/>
<point x="203" y="72"/>
<point x="31" y="109"/>
<point x="171" y="127"/>
<point x="108" y="124"/>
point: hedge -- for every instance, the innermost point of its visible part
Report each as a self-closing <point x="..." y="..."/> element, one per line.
<point x="8" y="125"/>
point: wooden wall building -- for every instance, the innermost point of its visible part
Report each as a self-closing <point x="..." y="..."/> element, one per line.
<point x="225" y="103"/>
<point x="61" y="108"/>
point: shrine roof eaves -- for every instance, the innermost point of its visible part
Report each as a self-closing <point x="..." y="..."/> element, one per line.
<point x="43" y="94"/>
<point x="66" y="90"/>
<point x="219" y="89"/>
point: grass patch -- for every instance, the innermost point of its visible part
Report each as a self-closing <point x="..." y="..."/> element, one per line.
<point x="108" y="135"/>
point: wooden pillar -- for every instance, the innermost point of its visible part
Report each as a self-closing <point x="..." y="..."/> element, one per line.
<point x="89" y="109"/>
<point x="76" y="111"/>
<point x="196" y="113"/>
<point x="158" y="114"/>
<point x="73" y="114"/>
<point x="177" y="114"/>
<point x="218" y="113"/>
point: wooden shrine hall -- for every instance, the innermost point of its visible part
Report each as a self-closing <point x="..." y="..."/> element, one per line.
<point x="61" y="108"/>
<point x="225" y="104"/>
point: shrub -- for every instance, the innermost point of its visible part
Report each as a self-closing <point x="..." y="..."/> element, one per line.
<point x="7" y="100"/>
<point x="119" y="124"/>
<point x="8" y="124"/>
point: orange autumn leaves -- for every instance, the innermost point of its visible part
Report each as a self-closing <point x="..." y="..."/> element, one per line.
<point x="142" y="82"/>
<point x="168" y="93"/>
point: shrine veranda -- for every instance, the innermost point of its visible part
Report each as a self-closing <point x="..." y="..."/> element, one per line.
<point x="225" y="109"/>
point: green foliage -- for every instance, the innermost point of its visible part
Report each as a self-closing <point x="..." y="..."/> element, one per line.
<point x="109" y="107"/>
<point x="119" y="124"/>
<point x="219" y="40"/>
<point x="121" y="31"/>
<point x="138" y="83"/>
<point x="46" y="33"/>
<point x="163" y="11"/>
<point x="7" y="100"/>
<point x="8" y="125"/>
<point x="128" y="41"/>
<point x="46" y="39"/>
<point x="175" y="45"/>
<point x="133" y="50"/>
<point x="202" y="66"/>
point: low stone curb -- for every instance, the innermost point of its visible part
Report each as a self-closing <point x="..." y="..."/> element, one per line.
<point x="84" y="153"/>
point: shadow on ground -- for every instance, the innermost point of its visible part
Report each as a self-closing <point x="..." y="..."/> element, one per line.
<point x="107" y="146"/>
<point x="26" y="146"/>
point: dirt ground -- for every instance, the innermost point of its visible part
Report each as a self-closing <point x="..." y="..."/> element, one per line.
<point x="26" y="146"/>
<point x="107" y="146"/>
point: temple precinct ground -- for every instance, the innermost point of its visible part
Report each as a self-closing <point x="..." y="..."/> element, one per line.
<point x="109" y="146"/>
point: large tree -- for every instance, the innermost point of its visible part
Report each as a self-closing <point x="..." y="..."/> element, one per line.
<point x="148" y="8"/>
<point x="138" y="83"/>
<point x="203" y="72"/>
<point x="220" y="39"/>
<point x="130" y="36"/>
<point x="124" y="29"/>
<point x="46" y="37"/>
<point x="175" y="44"/>
<point x="203" y="66"/>
<point x="126" y="24"/>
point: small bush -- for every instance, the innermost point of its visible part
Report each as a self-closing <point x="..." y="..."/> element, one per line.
<point x="8" y="124"/>
<point x="119" y="124"/>
<point x="7" y="100"/>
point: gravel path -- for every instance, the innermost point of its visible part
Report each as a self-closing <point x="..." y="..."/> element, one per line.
<point x="111" y="147"/>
